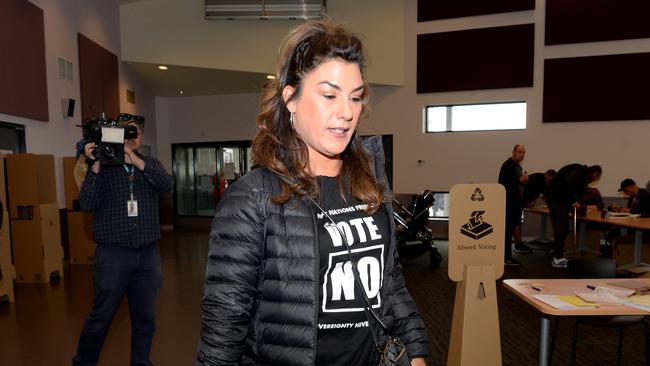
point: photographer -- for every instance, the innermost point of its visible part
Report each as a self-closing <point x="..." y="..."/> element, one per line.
<point x="124" y="201"/>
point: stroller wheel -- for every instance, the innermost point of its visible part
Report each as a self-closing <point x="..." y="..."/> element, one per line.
<point x="435" y="257"/>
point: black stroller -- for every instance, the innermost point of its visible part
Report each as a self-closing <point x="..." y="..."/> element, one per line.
<point x="413" y="237"/>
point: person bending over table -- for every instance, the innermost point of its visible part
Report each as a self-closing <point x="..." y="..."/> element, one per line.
<point x="564" y="193"/>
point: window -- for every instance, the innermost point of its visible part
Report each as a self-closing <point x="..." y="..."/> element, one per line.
<point x="440" y="208"/>
<point x="203" y="171"/>
<point x="475" y="117"/>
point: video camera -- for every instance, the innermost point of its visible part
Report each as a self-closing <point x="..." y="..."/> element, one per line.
<point x="109" y="138"/>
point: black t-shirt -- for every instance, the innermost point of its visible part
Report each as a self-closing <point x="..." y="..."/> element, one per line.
<point x="343" y="334"/>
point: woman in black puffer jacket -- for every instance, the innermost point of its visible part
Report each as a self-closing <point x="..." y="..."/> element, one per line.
<point x="279" y="284"/>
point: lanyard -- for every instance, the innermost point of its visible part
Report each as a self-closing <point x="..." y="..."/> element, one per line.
<point x="131" y="173"/>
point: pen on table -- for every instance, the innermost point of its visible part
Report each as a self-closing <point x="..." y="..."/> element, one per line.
<point x="536" y="288"/>
<point x="591" y="287"/>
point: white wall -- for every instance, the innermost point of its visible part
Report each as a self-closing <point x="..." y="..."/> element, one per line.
<point x="144" y="104"/>
<point x="621" y="147"/>
<point x="450" y="158"/>
<point x="63" y="19"/>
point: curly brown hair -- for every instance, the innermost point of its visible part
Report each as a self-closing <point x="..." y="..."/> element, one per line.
<point x="278" y="147"/>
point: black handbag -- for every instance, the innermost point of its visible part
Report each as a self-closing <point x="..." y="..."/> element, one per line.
<point x="392" y="352"/>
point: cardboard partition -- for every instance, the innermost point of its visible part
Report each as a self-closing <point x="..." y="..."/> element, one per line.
<point x="6" y="266"/>
<point x="46" y="179"/>
<point x="476" y="253"/>
<point x="82" y="247"/>
<point x="31" y="182"/>
<point x="476" y="228"/>
<point x="37" y="245"/>
<point x="71" y="188"/>
<point x="28" y="251"/>
<point x="22" y="182"/>
<point x="3" y="187"/>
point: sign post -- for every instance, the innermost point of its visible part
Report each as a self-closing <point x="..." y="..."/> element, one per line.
<point x="476" y="253"/>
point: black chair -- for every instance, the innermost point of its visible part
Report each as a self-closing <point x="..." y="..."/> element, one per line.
<point x="601" y="268"/>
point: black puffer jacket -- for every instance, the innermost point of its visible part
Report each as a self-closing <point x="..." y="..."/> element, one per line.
<point x="262" y="279"/>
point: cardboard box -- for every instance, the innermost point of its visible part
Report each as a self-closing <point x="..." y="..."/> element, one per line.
<point x="623" y="251"/>
<point x="37" y="245"/>
<point x="22" y="182"/>
<point x="30" y="182"/>
<point x="80" y="236"/>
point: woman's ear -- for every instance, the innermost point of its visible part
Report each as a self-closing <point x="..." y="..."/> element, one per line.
<point x="287" y="93"/>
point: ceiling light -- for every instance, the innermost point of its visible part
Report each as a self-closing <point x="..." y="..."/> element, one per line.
<point x="270" y="77"/>
<point x="162" y="67"/>
<point x="181" y="92"/>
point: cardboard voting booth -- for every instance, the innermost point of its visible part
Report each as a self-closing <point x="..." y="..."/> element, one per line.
<point x="7" y="272"/>
<point x="80" y="236"/>
<point x="476" y="253"/>
<point x="34" y="217"/>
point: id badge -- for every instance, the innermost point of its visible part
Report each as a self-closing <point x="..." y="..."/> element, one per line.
<point x="132" y="208"/>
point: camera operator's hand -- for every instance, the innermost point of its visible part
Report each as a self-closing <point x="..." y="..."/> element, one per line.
<point x="89" y="149"/>
<point x="130" y="157"/>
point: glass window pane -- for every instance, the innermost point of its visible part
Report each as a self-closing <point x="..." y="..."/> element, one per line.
<point x="437" y="119"/>
<point x="205" y="169"/>
<point x="184" y="174"/>
<point x="477" y="117"/>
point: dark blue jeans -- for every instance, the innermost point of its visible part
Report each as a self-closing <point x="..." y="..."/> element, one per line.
<point x="118" y="271"/>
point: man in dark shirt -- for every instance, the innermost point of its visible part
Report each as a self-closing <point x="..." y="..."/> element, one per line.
<point x="124" y="202"/>
<point x="639" y="201"/>
<point x="564" y="193"/>
<point x="537" y="185"/>
<point x="513" y="178"/>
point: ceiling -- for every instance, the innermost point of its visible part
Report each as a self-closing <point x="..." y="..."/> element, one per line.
<point x="195" y="81"/>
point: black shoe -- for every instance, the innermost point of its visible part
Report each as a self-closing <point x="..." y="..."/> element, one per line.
<point x="511" y="262"/>
<point x="522" y="248"/>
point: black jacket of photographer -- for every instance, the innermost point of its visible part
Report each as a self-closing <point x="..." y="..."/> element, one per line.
<point x="260" y="304"/>
<point x="106" y="194"/>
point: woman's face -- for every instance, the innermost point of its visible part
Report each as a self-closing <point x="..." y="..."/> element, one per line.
<point x="327" y="110"/>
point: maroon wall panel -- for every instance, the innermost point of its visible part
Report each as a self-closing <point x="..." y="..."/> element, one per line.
<point x="488" y="58"/>
<point x="23" y="78"/>
<point x="99" y="80"/>
<point x="443" y="9"/>
<point x="575" y="21"/>
<point x="597" y="88"/>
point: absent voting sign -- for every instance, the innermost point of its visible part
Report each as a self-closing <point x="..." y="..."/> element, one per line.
<point x="476" y="227"/>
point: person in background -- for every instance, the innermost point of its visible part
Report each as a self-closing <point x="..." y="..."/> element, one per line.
<point x="638" y="203"/>
<point x="279" y="288"/>
<point x="639" y="198"/>
<point x="123" y="200"/>
<point x="566" y="189"/>
<point x="592" y="199"/>
<point x="536" y="186"/>
<point x="513" y="178"/>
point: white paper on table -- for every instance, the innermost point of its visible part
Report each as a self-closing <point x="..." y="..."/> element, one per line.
<point x="620" y="293"/>
<point x="600" y="298"/>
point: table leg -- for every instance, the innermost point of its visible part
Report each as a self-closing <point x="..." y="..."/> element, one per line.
<point x="638" y="242"/>
<point x="545" y="330"/>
